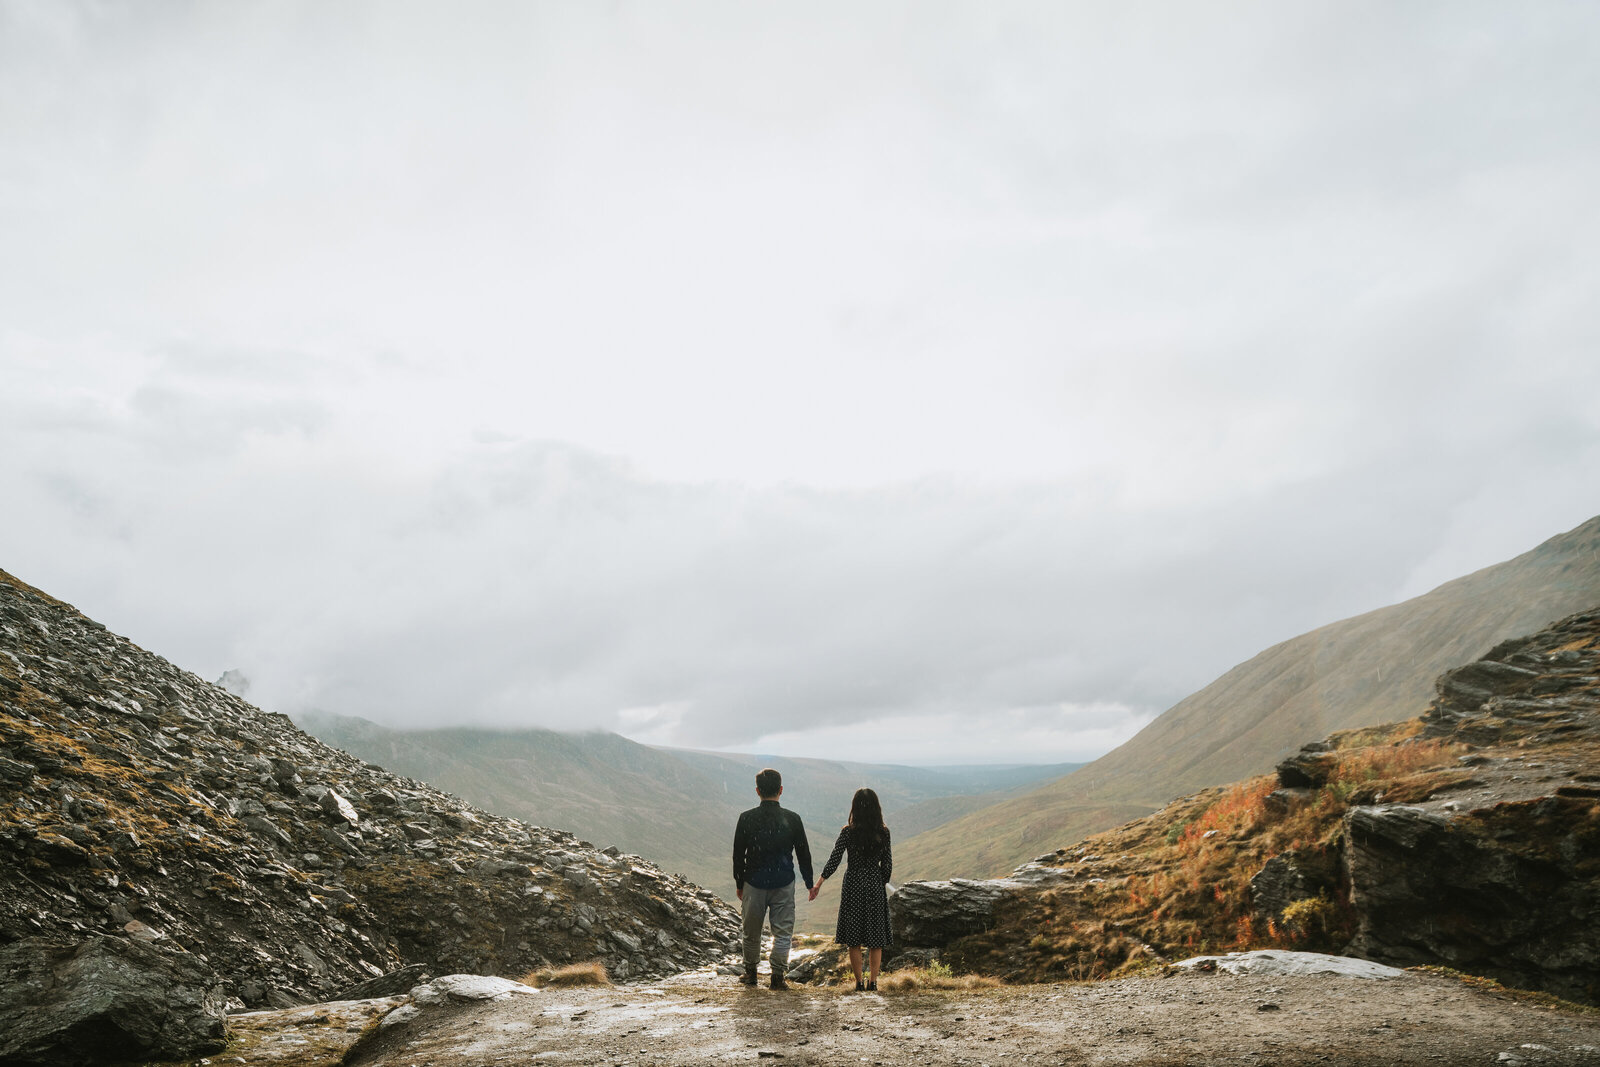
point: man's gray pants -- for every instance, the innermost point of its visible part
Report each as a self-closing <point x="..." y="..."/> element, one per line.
<point x="758" y="904"/>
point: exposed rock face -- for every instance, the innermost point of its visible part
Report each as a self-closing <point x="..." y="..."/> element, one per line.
<point x="140" y="802"/>
<point x="106" y="998"/>
<point x="1429" y="889"/>
<point x="933" y="914"/>
<point x="1501" y="877"/>
<point x="1308" y="768"/>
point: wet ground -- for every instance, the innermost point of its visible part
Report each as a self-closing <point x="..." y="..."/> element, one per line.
<point x="702" y="1019"/>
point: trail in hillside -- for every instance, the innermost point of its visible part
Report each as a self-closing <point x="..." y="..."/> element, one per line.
<point x="1182" y="1019"/>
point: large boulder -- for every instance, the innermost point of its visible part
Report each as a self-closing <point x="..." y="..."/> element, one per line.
<point x="105" y="1000"/>
<point x="1275" y="963"/>
<point x="933" y="914"/>
<point x="467" y="987"/>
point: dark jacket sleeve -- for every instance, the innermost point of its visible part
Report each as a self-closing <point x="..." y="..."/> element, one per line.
<point x="838" y="853"/>
<point x="741" y="845"/>
<point x="888" y="857"/>
<point x="802" y="849"/>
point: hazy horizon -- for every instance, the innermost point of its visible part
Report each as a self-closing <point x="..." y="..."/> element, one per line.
<point x="301" y="716"/>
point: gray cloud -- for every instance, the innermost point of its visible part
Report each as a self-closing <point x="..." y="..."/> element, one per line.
<point x="724" y="373"/>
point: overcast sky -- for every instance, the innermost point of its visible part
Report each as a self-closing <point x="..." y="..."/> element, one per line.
<point x="903" y="382"/>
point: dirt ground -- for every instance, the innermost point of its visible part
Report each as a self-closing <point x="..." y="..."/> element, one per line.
<point x="701" y="1018"/>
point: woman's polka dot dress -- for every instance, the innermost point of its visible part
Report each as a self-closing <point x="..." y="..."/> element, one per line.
<point x="863" y="900"/>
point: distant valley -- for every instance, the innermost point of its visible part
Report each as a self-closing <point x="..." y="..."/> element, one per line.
<point x="675" y="807"/>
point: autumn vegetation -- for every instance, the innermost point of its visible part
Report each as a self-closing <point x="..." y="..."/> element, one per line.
<point x="1177" y="883"/>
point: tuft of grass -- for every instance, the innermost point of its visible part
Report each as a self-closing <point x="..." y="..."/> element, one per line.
<point x="588" y="973"/>
<point x="935" y="976"/>
<point x="1393" y="761"/>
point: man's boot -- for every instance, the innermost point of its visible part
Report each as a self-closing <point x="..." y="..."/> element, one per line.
<point x="747" y="978"/>
<point x="778" y="980"/>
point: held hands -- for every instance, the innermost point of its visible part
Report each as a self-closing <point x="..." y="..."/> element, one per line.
<point x="816" y="889"/>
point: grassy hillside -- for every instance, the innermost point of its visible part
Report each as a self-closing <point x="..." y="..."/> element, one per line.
<point x="1374" y="668"/>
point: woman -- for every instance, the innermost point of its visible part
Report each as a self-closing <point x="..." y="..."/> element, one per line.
<point x="864" y="903"/>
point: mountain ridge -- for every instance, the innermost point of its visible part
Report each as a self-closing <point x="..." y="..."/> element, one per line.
<point x="1370" y="668"/>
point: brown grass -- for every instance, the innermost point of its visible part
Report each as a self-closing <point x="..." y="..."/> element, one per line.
<point x="589" y="973"/>
<point x="1177" y="882"/>
<point x="918" y="978"/>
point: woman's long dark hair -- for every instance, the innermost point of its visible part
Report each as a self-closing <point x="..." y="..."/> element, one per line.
<point x="866" y="827"/>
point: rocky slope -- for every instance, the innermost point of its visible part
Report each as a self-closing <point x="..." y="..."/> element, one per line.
<point x="1467" y="837"/>
<point x="1374" y="668"/>
<point x="139" y="802"/>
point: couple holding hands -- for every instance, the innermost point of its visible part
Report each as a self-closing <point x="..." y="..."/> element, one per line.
<point x="763" y="874"/>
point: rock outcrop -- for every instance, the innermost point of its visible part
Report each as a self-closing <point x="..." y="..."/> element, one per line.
<point x="140" y="803"/>
<point x="1498" y="870"/>
<point x="1499" y="874"/>
<point x="105" y="999"/>
<point x="933" y="914"/>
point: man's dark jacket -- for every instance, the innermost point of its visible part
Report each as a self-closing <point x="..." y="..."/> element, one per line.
<point x="761" y="845"/>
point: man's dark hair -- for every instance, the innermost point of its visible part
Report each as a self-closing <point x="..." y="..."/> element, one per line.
<point x="768" y="783"/>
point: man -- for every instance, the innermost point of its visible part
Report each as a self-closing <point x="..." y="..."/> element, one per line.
<point x="763" y="874"/>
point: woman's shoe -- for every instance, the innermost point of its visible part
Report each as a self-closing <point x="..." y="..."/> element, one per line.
<point x="861" y="987"/>
<point x="872" y="986"/>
